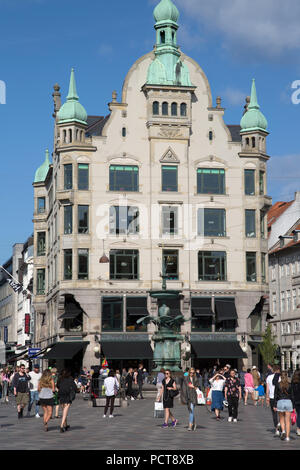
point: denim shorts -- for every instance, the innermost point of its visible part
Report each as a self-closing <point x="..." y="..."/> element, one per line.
<point x="285" y="405"/>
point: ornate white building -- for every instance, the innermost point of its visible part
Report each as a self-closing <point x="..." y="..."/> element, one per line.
<point x="161" y="182"/>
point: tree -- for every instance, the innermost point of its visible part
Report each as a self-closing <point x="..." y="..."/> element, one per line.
<point x="268" y="348"/>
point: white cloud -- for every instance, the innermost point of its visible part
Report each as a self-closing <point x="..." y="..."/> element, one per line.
<point x="254" y="29"/>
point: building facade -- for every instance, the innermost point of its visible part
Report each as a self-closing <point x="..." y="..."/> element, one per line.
<point x="284" y="282"/>
<point x="161" y="184"/>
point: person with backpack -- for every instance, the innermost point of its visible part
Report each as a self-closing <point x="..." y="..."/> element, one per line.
<point x="189" y="396"/>
<point x="66" y="395"/>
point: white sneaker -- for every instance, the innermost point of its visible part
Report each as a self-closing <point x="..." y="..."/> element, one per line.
<point x="111" y="416"/>
<point x="287" y="439"/>
<point x="235" y="420"/>
<point x="37" y="415"/>
<point x="229" y="420"/>
<point x="277" y="433"/>
<point x="104" y="416"/>
<point x="132" y="398"/>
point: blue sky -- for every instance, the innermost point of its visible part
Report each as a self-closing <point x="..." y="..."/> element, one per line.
<point x="233" y="41"/>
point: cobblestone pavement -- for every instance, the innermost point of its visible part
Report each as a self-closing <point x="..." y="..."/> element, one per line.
<point x="135" y="427"/>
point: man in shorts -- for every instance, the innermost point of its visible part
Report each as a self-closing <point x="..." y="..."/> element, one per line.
<point x="21" y="389"/>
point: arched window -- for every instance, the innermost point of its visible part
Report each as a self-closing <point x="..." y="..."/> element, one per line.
<point x="162" y="37"/>
<point x="70" y="135"/>
<point x="253" y="142"/>
<point x="183" y="109"/>
<point x="247" y="141"/>
<point x="174" y="109"/>
<point x="165" y="108"/>
<point x="155" y="108"/>
<point x="77" y="132"/>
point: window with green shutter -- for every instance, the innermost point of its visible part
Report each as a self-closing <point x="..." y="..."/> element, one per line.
<point x="210" y="181"/>
<point x="123" y="178"/>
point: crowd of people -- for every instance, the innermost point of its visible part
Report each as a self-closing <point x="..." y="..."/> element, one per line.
<point x="224" y="387"/>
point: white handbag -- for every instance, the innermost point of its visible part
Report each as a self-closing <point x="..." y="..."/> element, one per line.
<point x="158" y="409"/>
<point x="200" y="397"/>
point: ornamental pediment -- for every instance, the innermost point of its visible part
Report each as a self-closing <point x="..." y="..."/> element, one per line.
<point x="169" y="157"/>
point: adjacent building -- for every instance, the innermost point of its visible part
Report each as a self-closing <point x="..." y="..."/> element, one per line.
<point x="284" y="280"/>
<point x="160" y="184"/>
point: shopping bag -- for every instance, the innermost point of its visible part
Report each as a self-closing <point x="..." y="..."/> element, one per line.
<point x="200" y="397"/>
<point x="209" y="397"/>
<point x="294" y="418"/>
<point x="158" y="410"/>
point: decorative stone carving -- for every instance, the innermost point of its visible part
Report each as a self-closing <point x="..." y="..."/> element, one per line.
<point x="170" y="133"/>
<point x="169" y="157"/>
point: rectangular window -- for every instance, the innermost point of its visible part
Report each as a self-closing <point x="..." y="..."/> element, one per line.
<point x="261" y="183"/>
<point x="263" y="267"/>
<point x="287" y="269"/>
<point x="68" y="265"/>
<point x="251" y="273"/>
<point x="83" y="219"/>
<point x="273" y="273"/>
<point x="249" y="182"/>
<point x="282" y="302"/>
<point x="297" y="327"/>
<point x="250" y="223"/>
<point x="169" y="220"/>
<point x="123" y="178"/>
<point x="170" y="264"/>
<point x="112" y="314"/>
<point x="212" y="266"/>
<point x="41" y="205"/>
<point x="136" y="308"/>
<point x="124" y="264"/>
<point x="40" y="284"/>
<point x="294" y="299"/>
<point x="41" y="243"/>
<point x="83" y="264"/>
<point x="83" y="177"/>
<point x="169" y="178"/>
<point x="210" y="181"/>
<point x="212" y="222"/>
<point x="68" y="176"/>
<point x="202" y="315"/>
<point x="288" y="301"/>
<point x="274" y="304"/>
<point x="68" y="220"/>
<point x="123" y="220"/>
<point x="262" y="225"/>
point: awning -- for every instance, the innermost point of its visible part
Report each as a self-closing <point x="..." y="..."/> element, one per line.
<point x="65" y="349"/>
<point x="137" y="306"/>
<point x="201" y="306"/>
<point x="127" y="350"/>
<point x="218" y="349"/>
<point x="225" y="309"/>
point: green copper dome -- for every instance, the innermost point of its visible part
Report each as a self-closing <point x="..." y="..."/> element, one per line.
<point x="72" y="110"/>
<point x="41" y="172"/>
<point x="253" y="119"/>
<point x="166" y="11"/>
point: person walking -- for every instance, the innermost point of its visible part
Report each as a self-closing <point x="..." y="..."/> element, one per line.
<point x="249" y="386"/>
<point x="129" y="383"/>
<point x="66" y="395"/>
<point x="283" y="403"/>
<point x="256" y="377"/>
<point x="111" y="385"/>
<point x="233" y="394"/>
<point x="270" y="390"/>
<point x="20" y="384"/>
<point x="217" y="385"/>
<point x="46" y="388"/>
<point x="167" y="392"/>
<point x="242" y="374"/>
<point x="55" y="397"/>
<point x="35" y="376"/>
<point x="159" y="379"/>
<point x="5" y="384"/>
<point x="296" y="397"/>
<point x="261" y="393"/>
<point x="189" y="396"/>
<point x="140" y="381"/>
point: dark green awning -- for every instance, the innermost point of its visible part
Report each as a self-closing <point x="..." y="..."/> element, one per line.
<point x="127" y="350"/>
<point x="65" y="349"/>
<point x="218" y="349"/>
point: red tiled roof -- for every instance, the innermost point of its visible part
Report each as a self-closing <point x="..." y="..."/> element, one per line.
<point x="290" y="244"/>
<point x="276" y="211"/>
